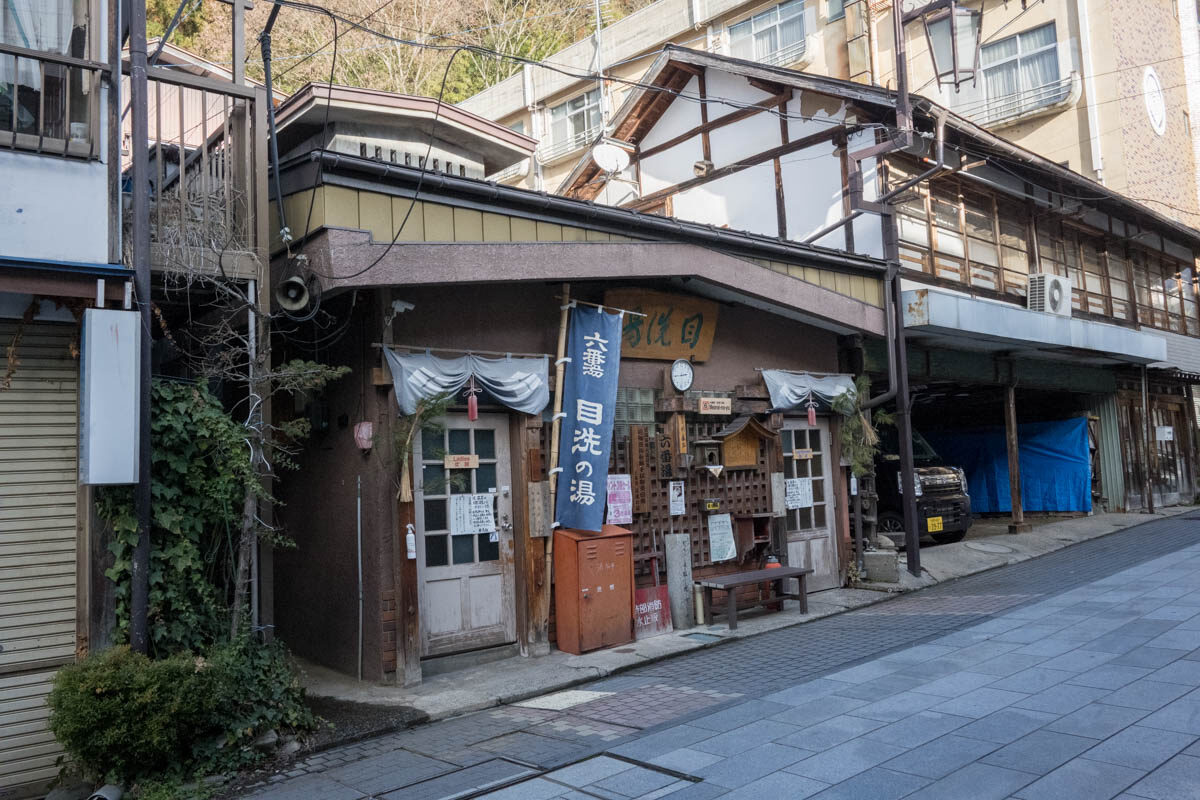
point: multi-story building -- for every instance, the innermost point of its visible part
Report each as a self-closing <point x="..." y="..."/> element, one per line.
<point x="64" y="155"/>
<point x="1097" y="95"/>
<point x="1102" y="88"/>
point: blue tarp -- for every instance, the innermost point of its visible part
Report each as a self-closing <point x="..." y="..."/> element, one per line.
<point x="1055" y="465"/>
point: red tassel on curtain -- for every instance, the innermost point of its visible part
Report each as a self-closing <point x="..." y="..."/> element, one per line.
<point x="812" y="412"/>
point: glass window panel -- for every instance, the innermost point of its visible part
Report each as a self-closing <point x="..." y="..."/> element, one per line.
<point x="1119" y="289"/>
<point x="485" y="478"/>
<point x="435" y="515"/>
<point x="999" y="51"/>
<point x="818" y="491"/>
<point x="459" y="481"/>
<point x="435" y="551"/>
<point x="985" y="278"/>
<point x="1096" y="304"/>
<point x="978" y="216"/>
<point x="1015" y="283"/>
<point x="433" y="479"/>
<point x="804" y="519"/>
<point x="1120" y="309"/>
<point x="485" y="443"/>
<point x="984" y="253"/>
<point x="914" y="230"/>
<point x="950" y="243"/>
<point x="488" y="550"/>
<point x="787" y="442"/>
<point x="944" y="268"/>
<point x="1015" y="260"/>
<point x="793" y="520"/>
<point x="432" y="445"/>
<point x="464" y="549"/>
<point x="460" y="441"/>
<point x="1037" y="38"/>
<point x="819" y="517"/>
<point x="1093" y="282"/>
<point x="945" y="212"/>
<point x="814" y="439"/>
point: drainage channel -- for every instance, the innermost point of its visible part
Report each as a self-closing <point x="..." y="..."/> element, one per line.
<point x="602" y="776"/>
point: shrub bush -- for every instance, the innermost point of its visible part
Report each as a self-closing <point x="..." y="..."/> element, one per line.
<point x="122" y="716"/>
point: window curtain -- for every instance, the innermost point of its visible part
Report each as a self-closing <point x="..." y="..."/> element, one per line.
<point x="519" y="383"/>
<point x="38" y="25"/>
<point x="790" y="390"/>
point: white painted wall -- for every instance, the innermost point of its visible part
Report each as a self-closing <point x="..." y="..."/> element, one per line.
<point x="681" y="116"/>
<point x="743" y="201"/>
<point x="672" y="166"/>
<point x="53" y="208"/>
<point x="727" y="93"/>
<point x="747" y="137"/>
<point x="812" y="192"/>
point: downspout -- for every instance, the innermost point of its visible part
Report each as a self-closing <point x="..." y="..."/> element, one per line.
<point x="1089" y="89"/>
<point x="264" y="39"/>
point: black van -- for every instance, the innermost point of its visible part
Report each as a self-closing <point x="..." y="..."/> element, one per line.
<point x="943" y="502"/>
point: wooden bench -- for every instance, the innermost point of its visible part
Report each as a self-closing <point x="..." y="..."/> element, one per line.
<point x="731" y="583"/>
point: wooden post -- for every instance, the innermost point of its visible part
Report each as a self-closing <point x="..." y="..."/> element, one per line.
<point x="1151" y="447"/>
<point x="408" y="621"/>
<point x="556" y="425"/>
<point x="1019" y="525"/>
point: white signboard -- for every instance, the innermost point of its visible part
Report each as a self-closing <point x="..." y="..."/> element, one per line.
<point x="721" y="545"/>
<point x="678" y="503"/>
<point x="620" y="500"/>
<point x="472" y="513"/>
<point x="1165" y="433"/>
<point x="798" y="493"/>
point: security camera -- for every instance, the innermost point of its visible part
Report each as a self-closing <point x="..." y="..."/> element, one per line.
<point x="400" y="306"/>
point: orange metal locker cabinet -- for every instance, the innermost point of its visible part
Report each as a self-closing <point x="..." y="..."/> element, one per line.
<point x="593" y="588"/>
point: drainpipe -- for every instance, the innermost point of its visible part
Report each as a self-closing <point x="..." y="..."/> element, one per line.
<point x="1147" y="467"/>
<point x="1089" y="88"/>
<point x="360" y="585"/>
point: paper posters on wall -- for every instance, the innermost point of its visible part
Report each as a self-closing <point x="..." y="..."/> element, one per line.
<point x="620" y="500"/>
<point x="798" y="493"/>
<point x="472" y="513"/>
<point x="678" y="503"/>
<point x="721" y="545"/>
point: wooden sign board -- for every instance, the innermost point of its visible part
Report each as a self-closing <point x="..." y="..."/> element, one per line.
<point x="462" y="462"/>
<point x="640" y="467"/>
<point x="805" y="454"/>
<point x="540" y="515"/>
<point x="716" y="405"/>
<point x="675" y="325"/>
<point x="664" y="461"/>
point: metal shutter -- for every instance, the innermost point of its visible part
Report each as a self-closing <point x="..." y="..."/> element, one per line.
<point x="38" y="544"/>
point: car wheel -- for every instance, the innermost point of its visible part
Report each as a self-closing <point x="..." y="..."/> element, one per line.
<point x="891" y="525"/>
<point x="948" y="538"/>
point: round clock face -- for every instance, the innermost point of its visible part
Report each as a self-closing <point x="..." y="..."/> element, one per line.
<point x="682" y="375"/>
<point x="1156" y="102"/>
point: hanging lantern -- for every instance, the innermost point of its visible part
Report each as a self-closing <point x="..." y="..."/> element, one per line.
<point x="472" y="392"/>
<point x="953" y="34"/>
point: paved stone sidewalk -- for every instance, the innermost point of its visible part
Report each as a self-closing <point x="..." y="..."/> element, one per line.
<point x="1073" y="675"/>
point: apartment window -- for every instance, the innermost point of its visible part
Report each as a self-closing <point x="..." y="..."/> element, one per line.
<point x="575" y="122"/>
<point x="47" y="98"/>
<point x="1020" y="75"/>
<point x="1118" y="284"/>
<point x="837" y="9"/>
<point x="775" y="36"/>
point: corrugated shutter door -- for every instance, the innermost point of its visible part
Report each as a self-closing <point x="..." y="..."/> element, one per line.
<point x="38" y="479"/>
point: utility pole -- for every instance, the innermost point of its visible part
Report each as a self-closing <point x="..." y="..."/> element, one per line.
<point x="139" y="606"/>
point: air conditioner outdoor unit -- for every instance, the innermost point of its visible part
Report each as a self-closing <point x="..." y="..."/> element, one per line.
<point x="1050" y="294"/>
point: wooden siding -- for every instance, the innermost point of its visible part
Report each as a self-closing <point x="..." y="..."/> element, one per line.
<point x="382" y="214"/>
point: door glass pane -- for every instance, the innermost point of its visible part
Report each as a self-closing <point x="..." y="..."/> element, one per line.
<point x="805" y="519"/>
<point x="818" y="490"/>
<point x="435" y="515"/>
<point x="432" y="444"/>
<point x="435" y="551"/>
<point x="787" y="441"/>
<point x="485" y="443"/>
<point x="433" y="479"/>
<point x="819" y="517"/>
<point x="459" y="482"/>
<point x="464" y="549"/>
<point x="460" y="441"/>
<point x="485" y="478"/>
<point x="488" y="550"/>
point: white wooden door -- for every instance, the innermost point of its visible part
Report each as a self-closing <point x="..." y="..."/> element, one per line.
<point x="466" y="580"/>
<point x="811" y="532"/>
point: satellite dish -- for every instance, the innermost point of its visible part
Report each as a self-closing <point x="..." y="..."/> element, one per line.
<point x="610" y="158"/>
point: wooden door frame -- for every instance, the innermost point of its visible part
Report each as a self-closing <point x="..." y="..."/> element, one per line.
<point x="835" y="501"/>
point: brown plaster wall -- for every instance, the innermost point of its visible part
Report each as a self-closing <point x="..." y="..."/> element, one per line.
<point x="316" y="593"/>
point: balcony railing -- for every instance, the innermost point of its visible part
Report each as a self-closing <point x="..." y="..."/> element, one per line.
<point x="548" y="151"/>
<point x="208" y="191"/>
<point x="49" y="103"/>
<point x="519" y="169"/>
<point x="786" y="56"/>
<point x="1006" y="108"/>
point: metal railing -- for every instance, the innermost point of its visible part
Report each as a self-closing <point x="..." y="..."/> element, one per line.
<point x="786" y="56"/>
<point x="208" y="193"/>
<point x="519" y="169"/>
<point x="548" y="151"/>
<point x="49" y="103"/>
<point x="1013" y="106"/>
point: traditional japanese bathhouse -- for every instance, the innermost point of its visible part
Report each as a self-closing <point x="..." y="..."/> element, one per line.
<point x="428" y="279"/>
<point x="1029" y="293"/>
